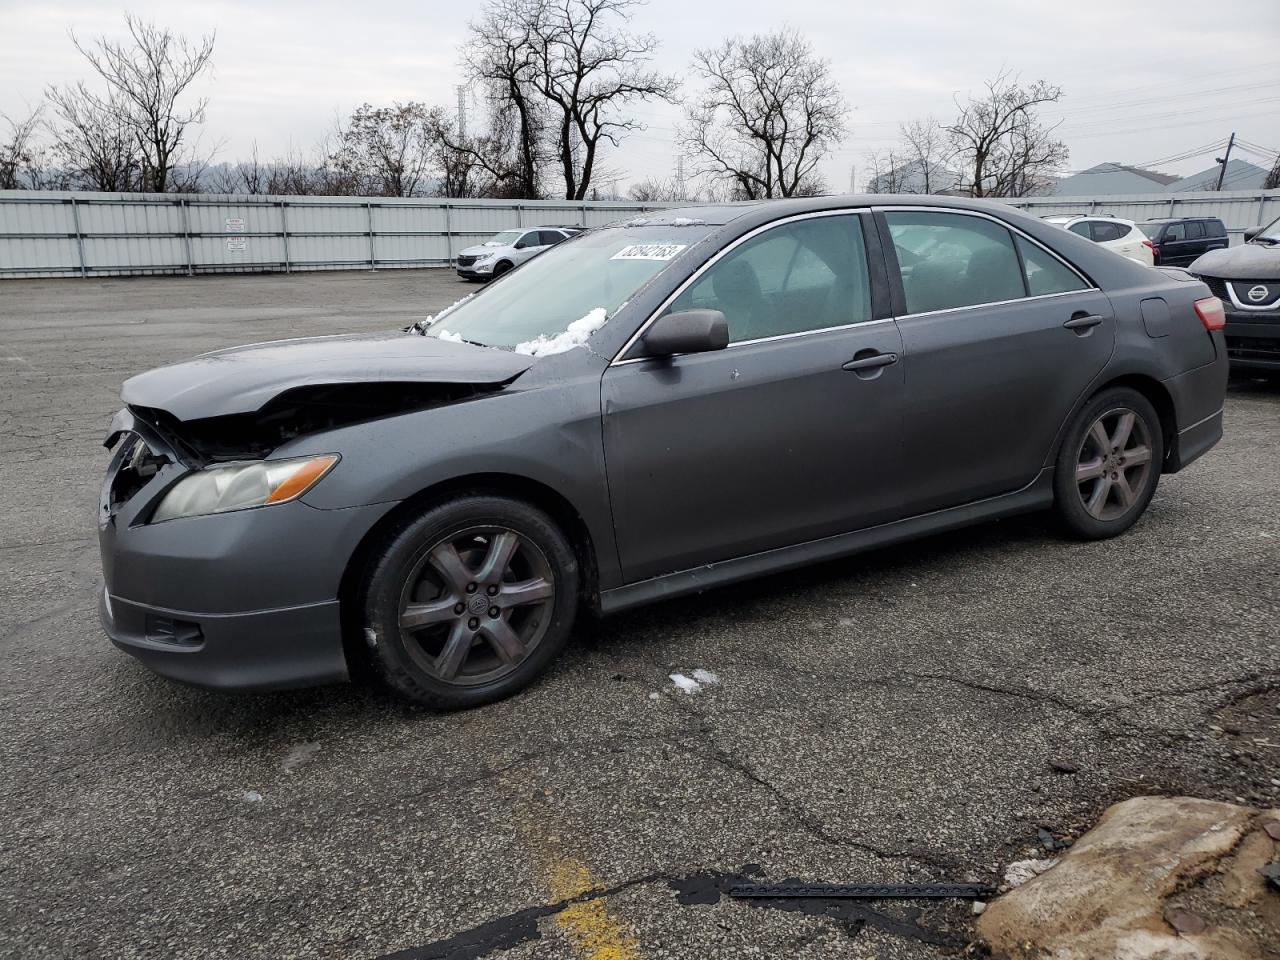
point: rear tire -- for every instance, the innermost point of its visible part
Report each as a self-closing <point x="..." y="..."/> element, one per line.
<point x="469" y="602"/>
<point x="1107" y="470"/>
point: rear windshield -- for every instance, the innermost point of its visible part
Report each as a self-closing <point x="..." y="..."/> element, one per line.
<point x="589" y="275"/>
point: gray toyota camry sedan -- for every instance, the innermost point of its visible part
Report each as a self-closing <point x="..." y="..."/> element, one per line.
<point x="652" y="408"/>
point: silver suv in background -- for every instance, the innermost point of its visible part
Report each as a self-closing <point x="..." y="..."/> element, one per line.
<point x="508" y="249"/>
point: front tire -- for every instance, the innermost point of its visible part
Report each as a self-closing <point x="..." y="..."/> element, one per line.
<point x="469" y="602"/>
<point x="1107" y="470"/>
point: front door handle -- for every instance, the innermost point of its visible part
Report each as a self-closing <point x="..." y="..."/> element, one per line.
<point x="1084" y="322"/>
<point x="861" y="362"/>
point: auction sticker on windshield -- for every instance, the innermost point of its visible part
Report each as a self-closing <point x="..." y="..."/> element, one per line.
<point x="649" y="251"/>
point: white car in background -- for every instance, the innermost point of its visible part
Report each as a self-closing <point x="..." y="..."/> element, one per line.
<point x="508" y="249"/>
<point x="1122" y="236"/>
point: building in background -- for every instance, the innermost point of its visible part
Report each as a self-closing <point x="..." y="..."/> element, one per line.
<point x="1240" y="175"/>
<point x="1112" y="179"/>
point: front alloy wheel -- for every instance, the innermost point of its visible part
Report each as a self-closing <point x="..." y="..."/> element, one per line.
<point x="469" y="601"/>
<point x="476" y="605"/>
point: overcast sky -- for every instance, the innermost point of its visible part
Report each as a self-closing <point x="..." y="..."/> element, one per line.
<point x="1142" y="79"/>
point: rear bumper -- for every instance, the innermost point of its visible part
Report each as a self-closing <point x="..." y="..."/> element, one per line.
<point x="1198" y="396"/>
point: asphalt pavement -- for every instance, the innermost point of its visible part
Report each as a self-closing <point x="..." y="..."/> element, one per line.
<point x="924" y="713"/>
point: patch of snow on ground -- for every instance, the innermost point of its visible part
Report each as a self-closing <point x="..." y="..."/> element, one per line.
<point x="298" y="755"/>
<point x="451" y="337"/>
<point x="705" y="676"/>
<point x="687" y="684"/>
<point x="575" y="335"/>
<point x="253" y="796"/>
<point x="1020" y="871"/>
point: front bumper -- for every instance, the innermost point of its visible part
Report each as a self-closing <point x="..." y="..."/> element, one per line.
<point x="479" y="271"/>
<point x="1253" y="337"/>
<point x="247" y="599"/>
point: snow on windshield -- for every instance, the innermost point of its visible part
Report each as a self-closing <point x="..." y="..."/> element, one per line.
<point x="575" y="335"/>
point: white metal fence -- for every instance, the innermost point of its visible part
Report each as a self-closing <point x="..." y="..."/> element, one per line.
<point x="1238" y="209"/>
<point x="56" y="234"/>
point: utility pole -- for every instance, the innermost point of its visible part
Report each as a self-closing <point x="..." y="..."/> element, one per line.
<point x="461" y="90"/>
<point x="680" y="175"/>
<point x="1223" y="160"/>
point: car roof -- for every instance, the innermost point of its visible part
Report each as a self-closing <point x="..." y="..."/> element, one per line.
<point x="1176" y="219"/>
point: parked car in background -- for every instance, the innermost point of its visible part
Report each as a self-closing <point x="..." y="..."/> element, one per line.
<point x="1121" y="236"/>
<point x="1177" y="242"/>
<point x="664" y="405"/>
<point x="1247" y="280"/>
<point x="508" y="249"/>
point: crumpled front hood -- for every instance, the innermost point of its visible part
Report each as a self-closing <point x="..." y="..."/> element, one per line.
<point x="244" y="379"/>
<point x="1250" y="261"/>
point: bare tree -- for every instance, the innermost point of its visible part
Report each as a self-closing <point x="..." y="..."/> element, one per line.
<point x="655" y="189"/>
<point x="566" y="70"/>
<point x="888" y="171"/>
<point x="21" y="157"/>
<point x="770" y="112"/>
<point x="998" y="140"/>
<point x="148" y="75"/>
<point x="389" y="150"/>
<point x="94" y="141"/>
<point x="924" y="142"/>
<point x="1272" y="181"/>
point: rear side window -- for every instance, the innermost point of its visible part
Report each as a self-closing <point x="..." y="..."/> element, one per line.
<point x="1215" y="228"/>
<point x="796" y="277"/>
<point x="950" y="260"/>
<point x="549" y="237"/>
<point x="1082" y="228"/>
<point x="1195" y="230"/>
<point x="1046" y="274"/>
<point x="1104" y="232"/>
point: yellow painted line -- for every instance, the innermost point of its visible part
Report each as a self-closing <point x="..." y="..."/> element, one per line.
<point x="594" y="932"/>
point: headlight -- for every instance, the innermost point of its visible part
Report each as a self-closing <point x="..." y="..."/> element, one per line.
<point x="236" y="486"/>
<point x="483" y="257"/>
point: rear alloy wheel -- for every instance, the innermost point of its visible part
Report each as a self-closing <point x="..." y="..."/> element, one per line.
<point x="1109" y="465"/>
<point x="470" y="602"/>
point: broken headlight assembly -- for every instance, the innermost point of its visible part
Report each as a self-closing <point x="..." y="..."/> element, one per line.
<point x="240" y="486"/>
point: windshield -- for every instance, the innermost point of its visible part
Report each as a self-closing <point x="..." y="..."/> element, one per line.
<point x="591" y="275"/>
<point x="1271" y="232"/>
<point x="504" y="239"/>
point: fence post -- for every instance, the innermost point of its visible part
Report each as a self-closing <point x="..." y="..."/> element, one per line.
<point x="1172" y="201"/>
<point x="519" y="214"/>
<point x="448" y="233"/>
<point x="284" y="232"/>
<point x="373" y="260"/>
<point x="186" y="233"/>
<point x="583" y="217"/>
<point x="1262" y="208"/>
<point x="75" y="218"/>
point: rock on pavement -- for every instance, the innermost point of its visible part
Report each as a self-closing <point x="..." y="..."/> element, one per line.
<point x="1150" y="862"/>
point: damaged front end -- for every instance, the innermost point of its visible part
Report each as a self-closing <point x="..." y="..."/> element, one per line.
<point x="296" y="413"/>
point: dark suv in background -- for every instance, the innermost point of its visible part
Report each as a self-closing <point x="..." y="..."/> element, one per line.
<point x="1247" y="281"/>
<point x="1178" y="242"/>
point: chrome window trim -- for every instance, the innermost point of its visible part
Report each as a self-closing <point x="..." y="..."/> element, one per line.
<point x="1089" y="287"/>
<point x="697" y="274"/>
<point x="1231" y="292"/>
<point x="1088" y="284"/>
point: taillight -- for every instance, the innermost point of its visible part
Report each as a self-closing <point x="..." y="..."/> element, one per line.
<point x="1211" y="314"/>
<point x="1149" y="245"/>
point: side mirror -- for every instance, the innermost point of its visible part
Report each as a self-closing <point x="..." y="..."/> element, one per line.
<point x="1251" y="232"/>
<point x="689" y="331"/>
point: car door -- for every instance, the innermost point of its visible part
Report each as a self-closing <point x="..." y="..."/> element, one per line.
<point x="791" y="433"/>
<point x="1173" y="248"/>
<point x="1000" y="337"/>
<point x="1197" y="241"/>
<point x="528" y="246"/>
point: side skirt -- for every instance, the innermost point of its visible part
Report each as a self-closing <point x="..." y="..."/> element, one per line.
<point x="1036" y="495"/>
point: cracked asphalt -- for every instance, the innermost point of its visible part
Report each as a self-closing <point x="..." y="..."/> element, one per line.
<point x="901" y="716"/>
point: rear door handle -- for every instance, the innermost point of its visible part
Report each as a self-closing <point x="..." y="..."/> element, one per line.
<point x="1084" y="323"/>
<point x="869" y="363"/>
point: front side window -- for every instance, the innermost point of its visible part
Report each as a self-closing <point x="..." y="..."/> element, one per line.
<point x="1046" y="274"/>
<point x="950" y="260"/>
<point x="806" y="275"/>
